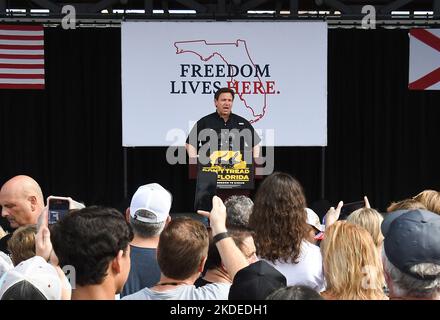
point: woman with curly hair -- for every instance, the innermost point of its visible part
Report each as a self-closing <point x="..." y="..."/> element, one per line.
<point x="352" y="265"/>
<point x="279" y="220"/>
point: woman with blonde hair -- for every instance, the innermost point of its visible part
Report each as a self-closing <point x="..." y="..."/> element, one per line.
<point x="405" y="204"/>
<point x="430" y="199"/>
<point x="22" y="243"/>
<point x="370" y="220"/>
<point x="352" y="266"/>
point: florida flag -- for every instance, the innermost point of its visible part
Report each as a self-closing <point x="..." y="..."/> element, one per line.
<point x="424" y="59"/>
<point x="21" y="57"/>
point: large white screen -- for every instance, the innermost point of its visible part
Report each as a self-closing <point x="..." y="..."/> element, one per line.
<point x="170" y="71"/>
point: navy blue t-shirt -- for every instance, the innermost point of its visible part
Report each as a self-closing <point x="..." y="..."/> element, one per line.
<point x="144" y="271"/>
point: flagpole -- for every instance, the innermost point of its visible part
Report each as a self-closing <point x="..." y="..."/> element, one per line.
<point x="125" y="172"/>
<point x="322" y="191"/>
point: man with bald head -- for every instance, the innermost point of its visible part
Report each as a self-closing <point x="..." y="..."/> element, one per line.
<point x="22" y="201"/>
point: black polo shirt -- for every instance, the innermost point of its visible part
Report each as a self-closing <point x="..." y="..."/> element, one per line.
<point x="235" y="134"/>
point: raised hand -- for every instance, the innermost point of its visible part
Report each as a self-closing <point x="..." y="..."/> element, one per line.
<point x="333" y="214"/>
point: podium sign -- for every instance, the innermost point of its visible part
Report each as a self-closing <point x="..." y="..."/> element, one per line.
<point x="232" y="171"/>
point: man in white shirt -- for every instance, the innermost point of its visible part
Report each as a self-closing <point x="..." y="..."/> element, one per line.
<point x="181" y="254"/>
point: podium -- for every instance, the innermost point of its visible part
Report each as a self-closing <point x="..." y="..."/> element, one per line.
<point x="232" y="179"/>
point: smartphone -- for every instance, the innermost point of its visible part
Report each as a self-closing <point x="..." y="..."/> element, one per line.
<point x="206" y="189"/>
<point x="57" y="207"/>
<point x="348" y="208"/>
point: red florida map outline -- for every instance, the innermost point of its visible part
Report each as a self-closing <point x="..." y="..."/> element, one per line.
<point x="257" y="116"/>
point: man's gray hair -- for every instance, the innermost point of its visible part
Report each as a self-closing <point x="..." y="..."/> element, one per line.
<point x="146" y="229"/>
<point x="238" y="209"/>
<point x="405" y="285"/>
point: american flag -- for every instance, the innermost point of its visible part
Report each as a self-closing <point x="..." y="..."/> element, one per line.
<point x="21" y="57"/>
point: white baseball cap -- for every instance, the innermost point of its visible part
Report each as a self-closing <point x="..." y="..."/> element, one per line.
<point x="36" y="271"/>
<point x="313" y="220"/>
<point x="153" y="198"/>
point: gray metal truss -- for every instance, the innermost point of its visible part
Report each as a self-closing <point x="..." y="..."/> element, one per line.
<point x="219" y="9"/>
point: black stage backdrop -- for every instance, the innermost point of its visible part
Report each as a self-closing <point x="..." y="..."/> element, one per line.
<point x="382" y="138"/>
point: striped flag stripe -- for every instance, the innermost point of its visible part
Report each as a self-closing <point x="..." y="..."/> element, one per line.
<point x="23" y="42"/>
<point x="22" y="71"/>
<point x="21" y="56"/>
<point x="32" y="52"/>
<point x="13" y="37"/>
<point x="21" y="76"/>
<point x="22" y="66"/>
<point x="427" y="38"/>
<point x="21" y="86"/>
<point x="21" y="33"/>
<point x="20" y="27"/>
<point x="23" y="61"/>
<point x="426" y="81"/>
<point x="20" y="47"/>
<point x="26" y="81"/>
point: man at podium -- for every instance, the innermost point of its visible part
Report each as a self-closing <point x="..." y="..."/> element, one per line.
<point x="223" y="130"/>
<point x="226" y="143"/>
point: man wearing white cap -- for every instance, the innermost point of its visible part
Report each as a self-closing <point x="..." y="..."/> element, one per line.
<point x="316" y="229"/>
<point x="148" y="215"/>
<point x="34" y="279"/>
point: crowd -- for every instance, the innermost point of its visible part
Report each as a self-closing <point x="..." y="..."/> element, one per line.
<point x="274" y="248"/>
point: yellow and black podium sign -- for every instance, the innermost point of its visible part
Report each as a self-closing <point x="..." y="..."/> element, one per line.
<point x="232" y="171"/>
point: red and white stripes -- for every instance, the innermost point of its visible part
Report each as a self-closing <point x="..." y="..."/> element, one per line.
<point x="21" y="57"/>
